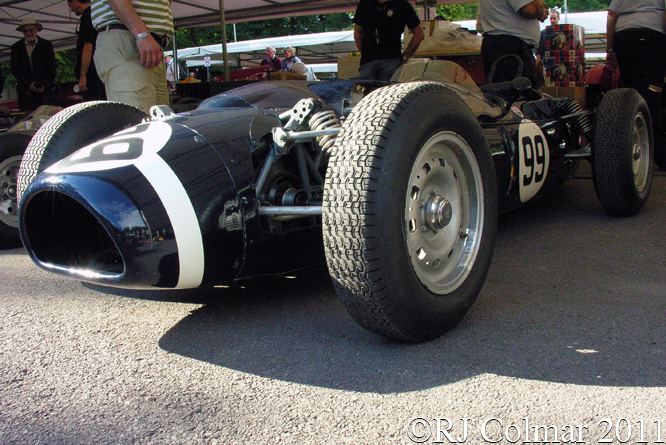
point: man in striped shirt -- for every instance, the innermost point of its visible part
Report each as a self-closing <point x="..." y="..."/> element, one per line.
<point x="132" y="36"/>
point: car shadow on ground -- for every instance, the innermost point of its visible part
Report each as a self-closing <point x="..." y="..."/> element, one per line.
<point x="573" y="296"/>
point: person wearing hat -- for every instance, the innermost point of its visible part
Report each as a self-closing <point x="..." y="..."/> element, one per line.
<point x="33" y="63"/>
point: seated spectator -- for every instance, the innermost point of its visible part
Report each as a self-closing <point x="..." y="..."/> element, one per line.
<point x="274" y="62"/>
<point x="289" y="58"/>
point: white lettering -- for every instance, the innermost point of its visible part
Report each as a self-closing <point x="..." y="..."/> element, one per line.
<point x="445" y="432"/>
<point x="483" y="430"/>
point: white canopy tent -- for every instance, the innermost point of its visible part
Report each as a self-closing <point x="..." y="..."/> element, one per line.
<point x="314" y="49"/>
<point x="60" y="25"/>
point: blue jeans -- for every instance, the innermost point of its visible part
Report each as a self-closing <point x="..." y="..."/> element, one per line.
<point x="380" y="69"/>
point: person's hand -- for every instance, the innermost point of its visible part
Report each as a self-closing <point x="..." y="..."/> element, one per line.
<point x="150" y="51"/>
<point x="611" y="60"/>
<point x="35" y="89"/>
<point x="82" y="84"/>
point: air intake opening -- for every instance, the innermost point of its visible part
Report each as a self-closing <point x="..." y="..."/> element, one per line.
<point x="62" y="232"/>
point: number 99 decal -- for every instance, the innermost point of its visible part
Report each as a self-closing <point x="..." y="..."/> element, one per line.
<point x="533" y="159"/>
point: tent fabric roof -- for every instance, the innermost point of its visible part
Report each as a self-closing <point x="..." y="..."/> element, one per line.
<point x="60" y="25"/>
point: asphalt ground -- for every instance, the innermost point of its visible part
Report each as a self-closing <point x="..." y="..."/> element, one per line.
<point x="568" y="332"/>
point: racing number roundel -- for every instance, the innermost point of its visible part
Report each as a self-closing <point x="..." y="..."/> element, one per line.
<point x="533" y="159"/>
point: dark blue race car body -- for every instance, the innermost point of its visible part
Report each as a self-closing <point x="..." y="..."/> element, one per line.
<point x="189" y="200"/>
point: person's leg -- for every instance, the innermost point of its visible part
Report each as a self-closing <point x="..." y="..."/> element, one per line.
<point x="368" y="71"/>
<point x="642" y="65"/>
<point x="388" y="67"/>
<point x="118" y="65"/>
<point x="24" y="101"/>
<point x="494" y="48"/>
<point x="529" y="63"/>
<point x="159" y="73"/>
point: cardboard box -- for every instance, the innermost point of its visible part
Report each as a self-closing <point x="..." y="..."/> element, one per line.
<point x="577" y="93"/>
<point x="348" y="67"/>
<point x="564" y="56"/>
<point x="565" y="37"/>
<point x="428" y="27"/>
<point x="565" y="68"/>
<point x="443" y="37"/>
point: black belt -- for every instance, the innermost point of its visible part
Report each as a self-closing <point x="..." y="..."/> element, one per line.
<point x="162" y="39"/>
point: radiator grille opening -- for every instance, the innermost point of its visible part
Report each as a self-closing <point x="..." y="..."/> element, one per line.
<point x="63" y="233"/>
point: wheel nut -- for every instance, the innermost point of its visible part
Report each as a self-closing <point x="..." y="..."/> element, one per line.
<point x="438" y="213"/>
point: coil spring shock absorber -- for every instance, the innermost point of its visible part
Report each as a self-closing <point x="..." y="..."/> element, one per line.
<point x="323" y="121"/>
<point x="582" y="122"/>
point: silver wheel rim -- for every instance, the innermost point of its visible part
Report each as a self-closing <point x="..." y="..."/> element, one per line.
<point x="640" y="152"/>
<point x="8" y="202"/>
<point x="444" y="212"/>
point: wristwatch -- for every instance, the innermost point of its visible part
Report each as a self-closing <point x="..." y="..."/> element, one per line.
<point x="142" y="35"/>
<point x="404" y="59"/>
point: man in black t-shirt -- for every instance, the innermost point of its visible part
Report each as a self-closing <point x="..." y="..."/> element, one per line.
<point x="90" y="85"/>
<point x="378" y="26"/>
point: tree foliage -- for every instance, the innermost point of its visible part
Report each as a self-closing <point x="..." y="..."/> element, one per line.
<point x="453" y="13"/>
<point x="581" y="5"/>
<point x="468" y="11"/>
<point x="288" y="26"/>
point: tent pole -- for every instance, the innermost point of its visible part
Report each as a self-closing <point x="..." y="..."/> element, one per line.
<point x="224" y="42"/>
<point x="175" y="58"/>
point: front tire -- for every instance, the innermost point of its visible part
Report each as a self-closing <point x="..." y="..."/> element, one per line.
<point x="71" y="129"/>
<point x="622" y="152"/>
<point x="410" y="211"/>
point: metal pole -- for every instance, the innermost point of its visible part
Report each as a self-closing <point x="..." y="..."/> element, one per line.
<point x="224" y="42"/>
<point x="175" y="59"/>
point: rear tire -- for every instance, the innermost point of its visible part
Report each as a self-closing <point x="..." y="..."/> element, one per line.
<point x="410" y="211"/>
<point x="71" y="129"/>
<point x="12" y="147"/>
<point x="622" y="152"/>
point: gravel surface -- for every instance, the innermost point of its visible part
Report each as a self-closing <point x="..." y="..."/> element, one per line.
<point x="568" y="331"/>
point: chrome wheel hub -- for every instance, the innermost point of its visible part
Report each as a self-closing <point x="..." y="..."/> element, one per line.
<point x="640" y="155"/>
<point x="444" y="212"/>
<point x="437" y="212"/>
<point x="8" y="202"/>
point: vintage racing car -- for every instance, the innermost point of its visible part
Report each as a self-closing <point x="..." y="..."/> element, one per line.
<point x="397" y="186"/>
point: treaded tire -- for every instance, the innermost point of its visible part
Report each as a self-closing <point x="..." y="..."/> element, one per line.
<point x="373" y="182"/>
<point x="12" y="147"/>
<point x="622" y="152"/>
<point x="71" y="129"/>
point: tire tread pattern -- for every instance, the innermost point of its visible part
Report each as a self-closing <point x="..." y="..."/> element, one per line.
<point x="350" y="207"/>
<point x="613" y="174"/>
<point x="38" y="155"/>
